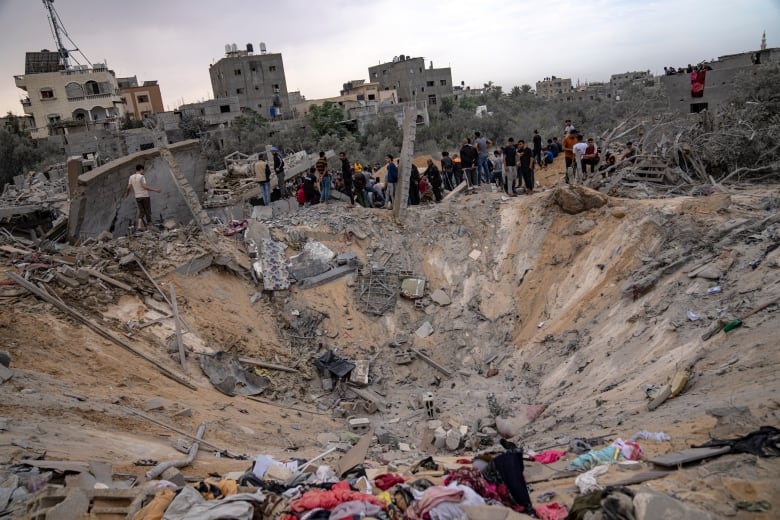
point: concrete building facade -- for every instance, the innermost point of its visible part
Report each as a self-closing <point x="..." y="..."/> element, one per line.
<point x="719" y="82"/>
<point x="552" y="87"/>
<point x="412" y="80"/>
<point x="141" y="101"/>
<point x="215" y="112"/>
<point x="257" y="80"/>
<point x="355" y="94"/>
<point x="76" y="97"/>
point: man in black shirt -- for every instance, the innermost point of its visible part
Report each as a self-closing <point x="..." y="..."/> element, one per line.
<point x="537" y="147"/>
<point x="279" y="171"/>
<point x="468" y="160"/>
<point x="510" y="166"/>
<point x="526" y="159"/>
<point x="346" y="176"/>
<point x="434" y="177"/>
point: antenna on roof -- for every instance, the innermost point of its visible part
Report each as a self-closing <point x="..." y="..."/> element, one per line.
<point x="58" y="32"/>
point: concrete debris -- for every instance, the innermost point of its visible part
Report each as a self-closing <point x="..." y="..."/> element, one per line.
<point x="425" y="330"/>
<point x="440" y="298"/>
<point x="576" y="199"/>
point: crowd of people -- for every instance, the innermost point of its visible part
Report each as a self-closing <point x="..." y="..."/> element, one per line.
<point x="479" y="161"/>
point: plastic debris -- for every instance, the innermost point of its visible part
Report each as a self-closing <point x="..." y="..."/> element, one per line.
<point x="714" y="290"/>
<point x="692" y="315"/>
<point x="656" y="436"/>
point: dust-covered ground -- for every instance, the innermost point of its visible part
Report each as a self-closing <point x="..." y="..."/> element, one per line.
<point x="574" y="315"/>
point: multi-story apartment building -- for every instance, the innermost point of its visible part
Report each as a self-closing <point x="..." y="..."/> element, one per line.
<point x="61" y="99"/>
<point x="412" y="80"/>
<point x="257" y="80"/>
<point x="141" y="101"/>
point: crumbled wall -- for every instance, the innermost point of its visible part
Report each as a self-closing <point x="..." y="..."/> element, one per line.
<point x="98" y="204"/>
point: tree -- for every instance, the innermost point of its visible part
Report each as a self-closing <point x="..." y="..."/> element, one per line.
<point x="446" y="106"/>
<point x="326" y="119"/>
<point x="19" y="153"/>
<point x="192" y="127"/>
<point x="526" y="88"/>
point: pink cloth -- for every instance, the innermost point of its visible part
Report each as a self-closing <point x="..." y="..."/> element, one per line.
<point x="433" y="496"/>
<point x="552" y="511"/>
<point x="549" y="456"/>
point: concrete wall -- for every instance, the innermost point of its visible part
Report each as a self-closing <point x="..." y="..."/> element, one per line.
<point x="133" y="97"/>
<point x="98" y="204"/>
<point x="215" y="112"/>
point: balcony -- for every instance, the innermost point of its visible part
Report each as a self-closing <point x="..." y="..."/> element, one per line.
<point x="21" y="82"/>
<point x="27" y="106"/>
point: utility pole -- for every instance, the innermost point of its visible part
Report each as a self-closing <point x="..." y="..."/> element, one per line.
<point x="57" y="33"/>
<point x="401" y="198"/>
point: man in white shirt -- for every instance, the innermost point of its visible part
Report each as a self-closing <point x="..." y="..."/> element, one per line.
<point x="579" y="150"/>
<point x="141" y="190"/>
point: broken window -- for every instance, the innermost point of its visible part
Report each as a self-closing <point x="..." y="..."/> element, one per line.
<point x="239" y="91"/>
<point x="384" y="72"/>
<point x="54" y="118"/>
<point x="146" y="146"/>
<point x="47" y="93"/>
<point x="276" y="87"/>
<point x="371" y="97"/>
<point x="429" y="83"/>
<point x="143" y="98"/>
<point x="272" y="68"/>
<point x="443" y="82"/>
<point x="237" y="72"/>
<point x="224" y="109"/>
<point x="432" y="99"/>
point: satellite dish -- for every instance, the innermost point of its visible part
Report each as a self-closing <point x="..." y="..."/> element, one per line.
<point x="227" y="47"/>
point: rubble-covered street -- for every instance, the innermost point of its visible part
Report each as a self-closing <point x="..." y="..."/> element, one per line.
<point x="325" y="343"/>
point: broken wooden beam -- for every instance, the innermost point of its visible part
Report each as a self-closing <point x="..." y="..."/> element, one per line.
<point x="98" y="328"/>
<point x="270" y="366"/>
<point x="177" y="327"/>
<point x="281" y="406"/>
<point x="107" y="279"/>
<point x="174" y="429"/>
<point x="431" y="362"/>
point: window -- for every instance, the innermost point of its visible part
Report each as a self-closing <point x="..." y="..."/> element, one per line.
<point x="146" y="146"/>
<point x="374" y="75"/>
<point x="429" y="83"/>
<point x="239" y="91"/>
<point x="432" y="99"/>
<point x="203" y="111"/>
<point x="698" y="107"/>
<point x="47" y="93"/>
<point x="143" y="99"/>
<point x="371" y="97"/>
<point x="257" y="87"/>
<point x="360" y="97"/>
<point x="54" y="118"/>
<point x="224" y="109"/>
<point x="276" y="87"/>
<point x="237" y="72"/>
<point x="384" y="72"/>
<point x="443" y="82"/>
<point x="272" y="68"/>
<point x="259" y="105"/>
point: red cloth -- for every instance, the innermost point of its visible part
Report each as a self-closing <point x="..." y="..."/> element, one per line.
<point x="387" y="480"/>
<point x="552" y="511"/>
<point x="549" y="456"/>
<point x="697" y="83"/>
<point x="339" y="493"/>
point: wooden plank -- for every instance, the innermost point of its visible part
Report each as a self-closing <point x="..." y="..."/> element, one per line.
<point x="173" y="429"/>
<point x="432" y="362"/>
<point x="270" y="366"/>
<point x="107" y="279"/>
<point x="177" y="327"/>
<point x="98" y="328"/>
<point x="687" y="456"/>
<point x="639" y="478"/>
<point x="283" y="407"/>
<point x="459" y="188"/>
<point x="356" y="455"/>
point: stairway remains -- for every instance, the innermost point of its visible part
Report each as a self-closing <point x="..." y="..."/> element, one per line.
<point x="185" y="189"/>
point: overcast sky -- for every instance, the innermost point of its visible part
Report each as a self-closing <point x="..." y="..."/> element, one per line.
<point x="326" y="43"/>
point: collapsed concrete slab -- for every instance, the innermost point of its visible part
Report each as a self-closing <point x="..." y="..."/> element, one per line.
<point x="98" y="204"/>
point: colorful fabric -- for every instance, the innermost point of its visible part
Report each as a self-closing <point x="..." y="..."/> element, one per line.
<point x="338" y="494"/>
<point x="155" y="509"/>
<point x="474" y="479"/>
<point x="432" y="497"/>
<point x="697" y="83"/>
<point x="388" y="480"/>
<point x="548" y="457"/>
<point x="276" y="276"/>
<point x="553" y="511"/>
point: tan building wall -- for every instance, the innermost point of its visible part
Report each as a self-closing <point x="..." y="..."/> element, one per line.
<point x="368" y="93"/>
<point x="141" y="102"/>
<point x="88" y="95"/>
<point x="553" y="87"/>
